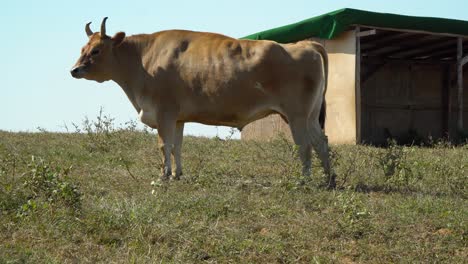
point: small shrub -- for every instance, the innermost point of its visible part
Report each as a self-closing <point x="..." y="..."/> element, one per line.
<point x="355" y="217"/>
<point x="99" y="132"/>
<point x="11" y="196"/>
<point x="346" y="164"/>
<point x="47" y="185"/>
<point x="450" y="174"/>
<point x="285" y="155"/>
<point x="397" y="168"/>
<point x="8" y="166"/>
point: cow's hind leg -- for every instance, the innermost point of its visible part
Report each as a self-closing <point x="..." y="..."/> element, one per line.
<point x="298" y="126"/>
<point x="320" y="143"/>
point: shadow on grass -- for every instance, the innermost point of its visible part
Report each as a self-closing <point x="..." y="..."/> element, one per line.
<point x="384" y="189"/>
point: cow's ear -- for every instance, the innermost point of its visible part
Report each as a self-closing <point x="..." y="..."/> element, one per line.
<point x="118" y="38"/>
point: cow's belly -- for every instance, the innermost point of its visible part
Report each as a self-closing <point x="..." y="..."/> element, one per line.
<point x="228" y="114"/>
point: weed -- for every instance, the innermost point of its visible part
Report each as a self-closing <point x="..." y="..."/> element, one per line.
<point x="397" y="168"/>
<point x="355" y="215"/>
<point x="48" y="185"/>
<point x="11" y="194"/>
<point x="99" y="132"/>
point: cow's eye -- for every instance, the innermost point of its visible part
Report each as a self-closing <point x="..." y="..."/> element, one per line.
<point x="95" y="52"/>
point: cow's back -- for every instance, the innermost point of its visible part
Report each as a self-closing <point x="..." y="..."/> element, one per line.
<point x="214" y="60"/>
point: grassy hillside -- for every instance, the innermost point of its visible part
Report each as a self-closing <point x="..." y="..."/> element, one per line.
<point x="89" y="197"/>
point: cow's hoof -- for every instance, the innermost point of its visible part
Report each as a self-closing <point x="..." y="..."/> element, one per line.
<point x="165" y="178"/>
<point x="331" y="184"/>
<point x="177" y="176"/>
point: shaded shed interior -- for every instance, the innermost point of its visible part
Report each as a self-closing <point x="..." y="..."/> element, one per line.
<point x="408" y="86"/>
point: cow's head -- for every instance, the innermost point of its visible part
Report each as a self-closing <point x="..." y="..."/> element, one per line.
<point x="97" y="56"/>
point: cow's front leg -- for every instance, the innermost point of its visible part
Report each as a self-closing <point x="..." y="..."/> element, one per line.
<point x="177" y="150"/>
<point x="166" y="136"/>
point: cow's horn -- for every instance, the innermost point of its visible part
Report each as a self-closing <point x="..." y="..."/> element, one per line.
<point x="103" y="27"/>
<point x="89" y="32"/>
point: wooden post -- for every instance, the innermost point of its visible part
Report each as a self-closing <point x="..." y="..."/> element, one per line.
<point x="460" y="83"/>
<point x="358" y="85"/>
<point x="445" y="102"/>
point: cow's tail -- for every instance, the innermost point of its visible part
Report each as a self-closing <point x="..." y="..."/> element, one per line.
<point x="323" y="114"/>
<point x="323" y="108"/>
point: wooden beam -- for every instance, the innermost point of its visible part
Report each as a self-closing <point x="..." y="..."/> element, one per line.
<point x="423" y="48"/>
<point x="460" y="83"/>
<point x="408" y="107"/>
<point x="401" y="48"/>
<point x="358" y="85"/>
<point x="432" y="50"/>
<point x="367" y="41"/>
<point x="419" y="32"/>
<point x="464" y="60"/>
<point x="450" y="101"/>
<point x="445" y="102"/>
<point x="367" y="33"/>
<point x="449" y="52"/>
<point x="387" y="41"/>
<point x="415" y="42"/>
<point x="381" y="60"/>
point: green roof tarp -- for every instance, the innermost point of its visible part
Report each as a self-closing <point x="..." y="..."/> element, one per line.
<point x="330" y="25"/>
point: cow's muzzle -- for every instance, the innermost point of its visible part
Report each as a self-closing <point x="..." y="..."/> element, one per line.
<point x="78" y="71"/>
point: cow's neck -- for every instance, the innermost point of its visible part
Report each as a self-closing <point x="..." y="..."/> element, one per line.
<point x="127" y="70"/>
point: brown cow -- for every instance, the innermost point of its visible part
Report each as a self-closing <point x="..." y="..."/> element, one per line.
<point x="176" y="76"/>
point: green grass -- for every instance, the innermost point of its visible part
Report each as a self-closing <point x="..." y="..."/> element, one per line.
<point x="87" y="198"/>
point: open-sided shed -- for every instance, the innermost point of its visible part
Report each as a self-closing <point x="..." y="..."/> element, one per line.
<point x="389" y="76"/>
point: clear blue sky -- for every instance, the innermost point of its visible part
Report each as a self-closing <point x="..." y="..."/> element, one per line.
<point x="41" y="40"/>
